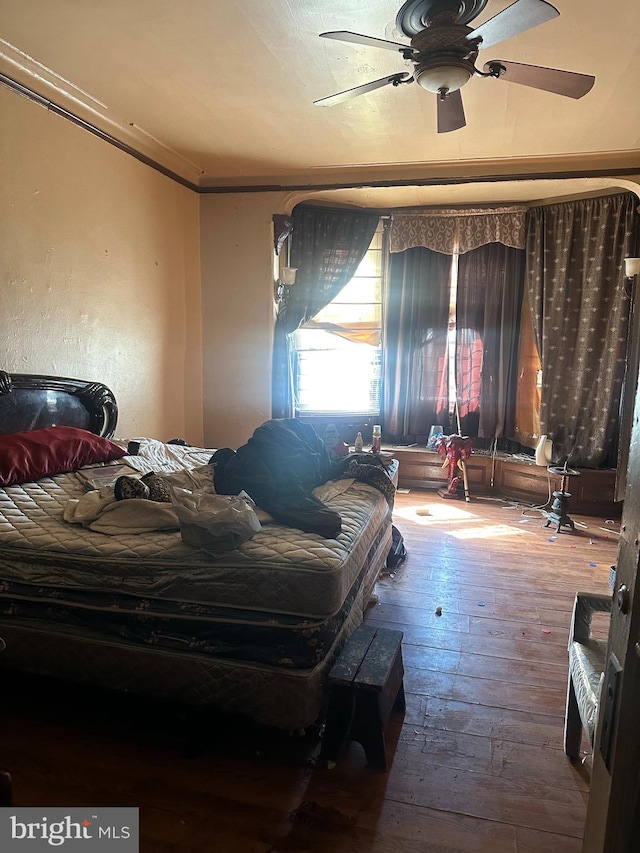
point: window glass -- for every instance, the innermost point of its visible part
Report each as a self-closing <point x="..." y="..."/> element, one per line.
<point x="338" y="354"/>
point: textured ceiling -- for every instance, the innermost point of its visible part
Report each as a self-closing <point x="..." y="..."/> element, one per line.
<point x="221" y="91"/>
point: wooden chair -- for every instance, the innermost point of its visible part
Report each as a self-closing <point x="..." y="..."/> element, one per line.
<point x="587" y="659"/>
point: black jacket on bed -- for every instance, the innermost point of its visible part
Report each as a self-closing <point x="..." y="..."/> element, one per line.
<point x="280" y="465"/>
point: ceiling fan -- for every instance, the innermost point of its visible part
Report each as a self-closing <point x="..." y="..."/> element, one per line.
<point x="443" y="50"/>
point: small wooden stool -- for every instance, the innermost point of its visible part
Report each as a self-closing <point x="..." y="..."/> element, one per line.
<point x="366" y="686"/>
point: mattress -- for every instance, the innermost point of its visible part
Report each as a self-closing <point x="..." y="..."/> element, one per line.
<point x="280" y="599"/>
<point x="285" y="698"/>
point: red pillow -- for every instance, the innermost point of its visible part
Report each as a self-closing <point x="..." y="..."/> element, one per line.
<point x="28" y="456"/>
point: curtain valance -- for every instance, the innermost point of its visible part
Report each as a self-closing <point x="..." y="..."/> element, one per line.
<point x="452" y="231"/>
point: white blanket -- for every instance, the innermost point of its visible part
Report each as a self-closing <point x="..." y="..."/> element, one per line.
<point x="100" y="511"/>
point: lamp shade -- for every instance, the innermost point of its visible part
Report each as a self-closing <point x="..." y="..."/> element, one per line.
<point x="447" y="77"/>
<point x="631" y="267"/>
<point x="288" y="275"/>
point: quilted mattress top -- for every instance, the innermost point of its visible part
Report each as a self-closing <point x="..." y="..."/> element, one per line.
<point x="280" y="569"/>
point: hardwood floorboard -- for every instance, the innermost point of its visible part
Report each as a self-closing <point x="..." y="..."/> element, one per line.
<point x="554" y="601"/>
<point x="552" y="574"/>
<point x="491" y="722"/>
<point x="402" y="588"/>
<point x="495" y="756"/>
<point x="485" y="691"/>
<point x="523" y="803"/>
<point x="479" y="627"/>
<point x="483" y="666"/>
<point x="441" y="830"/>
<point x="448" y="621"/>
<point x="534" y="841"/>
<point x="520" y="649"/>
<point x="476" y="763"/>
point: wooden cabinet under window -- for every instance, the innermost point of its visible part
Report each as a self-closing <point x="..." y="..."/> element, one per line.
<point x="592" y="492"/>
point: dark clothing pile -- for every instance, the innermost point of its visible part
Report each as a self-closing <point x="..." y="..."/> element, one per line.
<point x="278" y="468"/>
<point x="367" y="468"/>
<point x="282" y="463"/>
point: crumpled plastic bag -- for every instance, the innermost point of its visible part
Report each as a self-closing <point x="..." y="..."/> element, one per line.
<point x="214" y="522"/>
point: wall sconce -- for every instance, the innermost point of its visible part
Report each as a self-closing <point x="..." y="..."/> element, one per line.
<point x="286" y="280"/>
<point x="631" y="267"/>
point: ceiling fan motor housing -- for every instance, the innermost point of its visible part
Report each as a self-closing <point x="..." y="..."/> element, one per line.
<point x="415" y="15"/>
<point x="445" y="57"/>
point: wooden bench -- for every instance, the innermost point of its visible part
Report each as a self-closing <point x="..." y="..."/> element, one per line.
<point x="366" y="686"/>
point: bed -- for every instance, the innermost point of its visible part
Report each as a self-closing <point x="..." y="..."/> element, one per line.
<point x="251" y="632"/>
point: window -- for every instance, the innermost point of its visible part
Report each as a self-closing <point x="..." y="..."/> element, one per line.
<point x="338" y="354"/>
<point x="460" y="370"/>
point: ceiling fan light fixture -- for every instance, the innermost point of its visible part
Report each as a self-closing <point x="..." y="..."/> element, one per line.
<point x="449" y="77"/>
<point x="444" y="51"/>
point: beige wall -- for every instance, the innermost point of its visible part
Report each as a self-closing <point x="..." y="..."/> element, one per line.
<point x="99" y="271"/>
<point x="237" y="313"/>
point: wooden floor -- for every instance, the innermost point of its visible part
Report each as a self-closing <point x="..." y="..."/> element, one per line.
<point x="477" y="760"/>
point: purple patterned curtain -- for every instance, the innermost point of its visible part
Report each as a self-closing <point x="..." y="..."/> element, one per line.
<point x="575" y="281"/>
<point x="415" y="348"/>
<point x="488" y="312"/>
<point x="327" y="246"/>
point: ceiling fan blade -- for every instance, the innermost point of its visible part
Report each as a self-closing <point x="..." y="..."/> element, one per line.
<point x="450" y="112"/>
<point x="369" y="41"/>
<point x="348" y="94"/>
<point x="568" y="83"/>
<point x="515" y="19"/>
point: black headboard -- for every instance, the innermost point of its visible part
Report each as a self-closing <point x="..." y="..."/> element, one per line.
<point x="29" y="401"/>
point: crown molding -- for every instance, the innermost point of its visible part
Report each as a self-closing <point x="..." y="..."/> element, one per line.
<point x="44" y="87"/>
<point x="30" y="78"/>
